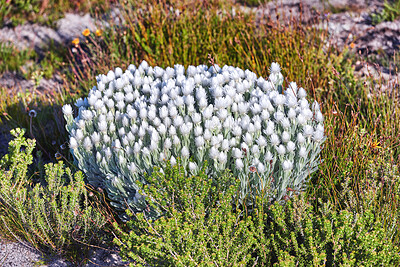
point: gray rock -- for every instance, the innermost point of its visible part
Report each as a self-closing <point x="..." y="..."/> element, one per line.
<point x="23" y="255"/>
<point x="72" y="26"/>
<point x="29" y="36"/>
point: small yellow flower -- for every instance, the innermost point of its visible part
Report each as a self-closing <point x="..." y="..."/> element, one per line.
<point x="99" y="32"/>
<point x="86" y="32"/>
<point x="352" y="45"/>
<point x="375" y="145"/>
<point x="75" y="41"/>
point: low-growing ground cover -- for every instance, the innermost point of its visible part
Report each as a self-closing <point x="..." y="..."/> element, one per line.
<point x="348" y="215"/>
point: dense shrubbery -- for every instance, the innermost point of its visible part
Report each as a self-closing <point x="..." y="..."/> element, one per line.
<point x="53" y="213"/>
<point x="201" y="227"/>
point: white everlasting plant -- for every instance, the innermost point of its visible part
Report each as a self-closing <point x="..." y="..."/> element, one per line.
<point x="137" y="119"/>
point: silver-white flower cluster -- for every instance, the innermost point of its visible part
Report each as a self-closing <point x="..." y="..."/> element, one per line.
<point x="135" y="120"/>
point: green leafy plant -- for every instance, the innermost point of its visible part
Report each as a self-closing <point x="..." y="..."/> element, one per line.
<point x="199" y="226"/>
<point x="54" y="213"/>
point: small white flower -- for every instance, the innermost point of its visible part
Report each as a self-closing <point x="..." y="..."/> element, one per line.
<point x="199" y="141"/>
<point x="307" y="130"/>
<point x="185" y="152"/>
<point x="239" y="164"/>
<point x="319" y="117"/>
<point x="176" y="140"/>
<point x="301" y="120"/>
<point x="255" y="149"/>
<point x="167" y="143"/>
<point x="173" y="161"/>
<point x="196" y="118"/>
<point x="279" y="116"/>
<point x="79" y="134"/>
<point x="303" y="152"/>
<point x="291" y="146"/>
<point x="225" y="144"/>
<point x="207" y="134"/>
<point x="301" y="93"/>
<point x="274" y="139"/>
<point x="67" y="110"/>
<point x="95" y="138"/>
<point x="248" y="138"/>
<point x="275" y="68"/>
<point x="178" y="121"/>
<point x="318" y="136"/>
<point x="213" y="153"/>
<point x="268" y="157"/>
<point x="73" y="143"/>
<point x="287" y="165"/>
<point x="192" y="166"/>
<point x="285" y="137"/>
<point x="300" y="138"/>
<point x="281" y="149"/>
<point x="285" y="123"/>
<point x="87" y="143"/>
<point x="291" y="113"/>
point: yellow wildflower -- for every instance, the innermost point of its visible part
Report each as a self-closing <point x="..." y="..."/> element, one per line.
<point x="99" y="32"/>
<point x="375" y="144"/>
<point x="352" y="45"/>
<point x="75" y="41"/>
<point x="86" y="32"/>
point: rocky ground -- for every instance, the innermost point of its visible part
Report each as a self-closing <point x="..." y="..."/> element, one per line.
<point x="349" y="24"/>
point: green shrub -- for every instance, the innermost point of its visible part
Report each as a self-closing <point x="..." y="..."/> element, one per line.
<point x="199" y="225"/>
<point x="55" y="215"/>
<point x="302" y="236"/>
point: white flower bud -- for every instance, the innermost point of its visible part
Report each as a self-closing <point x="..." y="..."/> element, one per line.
<point x="87" y="143"/>
<point x="67" y="110"/>
<point x="301" y="93"/>
<point x="173" y="161"/>
<point x="262" y="142"/>
<point x="248" y="138"/>
<point x="73" y="143"/>
<point x="281" y="150"/>
<point x="79" y="134"/>
<point x="167" y="143"/>
<point x="291" y="113"/>
<point x="225" y="144"/>
<point x="303" y="152"/>
<point x="192" y="166"/>
<point x="213" y="153"/>
<point x="319" y="117"/>
<point x="279" y="116"/>
<point x="274" y="139"/>
<point x="285" y="137"/>
<point x="95" y="138"/>
<point x="307" y="130"/>
<point x="176" y="140"/>
<point x="300" y="138"/>
<point x="255" y="149"/>
<point x="222" y="157"/>
<point x="290" y="147"/>
<point x="172" y="130"/>
<point x="268" y="157"/>
<point x="199" y="141"/>
<point x="318" y="136"/>
<point x="239" y="164"/>
<point x="287" y="165"/>
<point x="301" y="120"/>
<point x="275" y="68"/>
<point x="207" y="134"/>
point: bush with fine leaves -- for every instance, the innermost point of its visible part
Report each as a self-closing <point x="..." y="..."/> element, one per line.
<point x="199" y="225"/>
